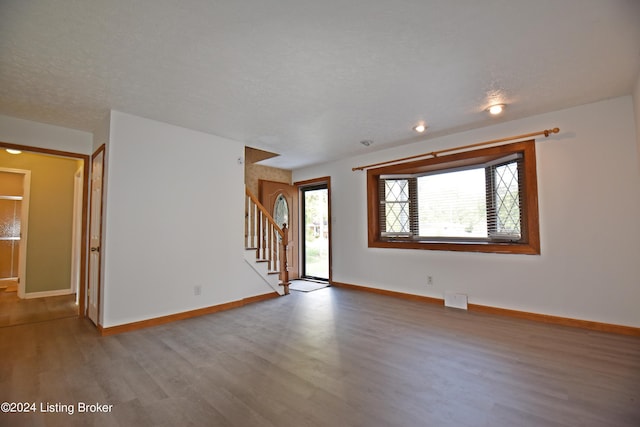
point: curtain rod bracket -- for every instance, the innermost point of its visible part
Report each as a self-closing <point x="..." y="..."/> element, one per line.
<point x="547" y="132"/>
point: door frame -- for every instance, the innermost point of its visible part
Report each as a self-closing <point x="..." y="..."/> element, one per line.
<point x="85" y="204"/>
<point x="301" y="185"/>
<point x="24" y="226"/>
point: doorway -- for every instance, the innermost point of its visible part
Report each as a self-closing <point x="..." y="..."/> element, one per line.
<point x="315" y="230"/>
<point x="54" y="270"/>
<point x="308" y="211"/>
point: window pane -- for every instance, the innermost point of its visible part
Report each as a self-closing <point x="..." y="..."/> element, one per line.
<point x="396" y="193"/>
<point x="281" y="211"/>
<point x="397" y="190"/>
<point x="507" y="200"/>
<point x="397" y="215"/>
<point x="453" y="204"/>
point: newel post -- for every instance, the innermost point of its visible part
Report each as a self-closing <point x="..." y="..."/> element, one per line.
<point x="284" y="271"/>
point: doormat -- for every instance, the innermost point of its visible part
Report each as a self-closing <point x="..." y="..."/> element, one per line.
<point x="304" y="286"/>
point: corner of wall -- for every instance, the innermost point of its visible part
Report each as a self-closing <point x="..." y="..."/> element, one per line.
<point x="102" y="132"/>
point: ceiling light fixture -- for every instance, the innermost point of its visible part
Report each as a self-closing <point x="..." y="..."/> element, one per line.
<point x="366" y="142"/>
<point x="13" y="151"/>
<point x="420" y="127"/>
<point x="496" y="109"/>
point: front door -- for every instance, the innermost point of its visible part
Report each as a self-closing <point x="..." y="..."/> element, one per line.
<point x="95" y="234"/>
<point x="315" y="223"/>
<point x="278" y="197"/>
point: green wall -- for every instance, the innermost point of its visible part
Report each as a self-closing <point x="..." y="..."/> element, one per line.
<point x="50" y="218"/>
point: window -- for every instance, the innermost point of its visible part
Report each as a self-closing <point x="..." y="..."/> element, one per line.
<point x="483" y="201"/>
<point x="281" y="211"/>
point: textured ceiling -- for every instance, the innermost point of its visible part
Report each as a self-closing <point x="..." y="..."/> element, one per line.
<point x="310" y="79"/>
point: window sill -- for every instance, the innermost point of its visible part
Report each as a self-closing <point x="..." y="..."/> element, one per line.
<point x="500" y="248"/>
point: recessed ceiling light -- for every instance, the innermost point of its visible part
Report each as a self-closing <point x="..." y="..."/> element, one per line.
<point x="13" y="151"/>
<point x="496" y="109"/>
<point x="366" y="142"/>
<point x="420" y="127"/>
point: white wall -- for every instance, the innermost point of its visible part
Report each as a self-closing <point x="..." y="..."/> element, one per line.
<point x="174" y="220"/>
<point x="101" y="133"/>
<point x="34" y="134"/>
<point x="588" y="178"/>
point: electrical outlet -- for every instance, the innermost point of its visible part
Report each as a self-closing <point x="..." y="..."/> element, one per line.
<point x="429" y="280"/>
<point x="197" y="290"/>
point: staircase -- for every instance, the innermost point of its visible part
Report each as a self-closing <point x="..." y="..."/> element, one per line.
<point x="266" y="245"/>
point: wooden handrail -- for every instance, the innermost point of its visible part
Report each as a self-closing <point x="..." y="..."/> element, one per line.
<point x="264" y="211"/>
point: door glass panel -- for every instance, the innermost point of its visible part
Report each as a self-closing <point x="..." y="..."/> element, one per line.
<point x="9" y="235"/>
<point x="316" y="233"/>
<point x="281" y="211"/>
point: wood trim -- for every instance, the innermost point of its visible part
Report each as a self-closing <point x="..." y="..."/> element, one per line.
<point x="323" y="180"/>
<point x="314" y="181"/>
<point x="43" y="150"/>
<point x="45" y="294"/>
<point x="534" y="317"/>
<point x="128" y="327"/>
<point x="85" y="201"/>
<point x="557" y="320"/>
<point x="258" y="298"/>
<point x="496" y="248"/>
<point x="531" y="229"/>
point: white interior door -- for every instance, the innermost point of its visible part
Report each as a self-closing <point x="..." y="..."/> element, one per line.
<point x="95" y="235"/>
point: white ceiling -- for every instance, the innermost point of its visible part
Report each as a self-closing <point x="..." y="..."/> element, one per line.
<point x="309" y="79"/>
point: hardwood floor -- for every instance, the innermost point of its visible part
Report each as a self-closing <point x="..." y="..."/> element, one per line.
<point x="333" y="357"/>
<point x="16" y="311"/>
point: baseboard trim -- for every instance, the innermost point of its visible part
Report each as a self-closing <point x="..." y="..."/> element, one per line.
<point x="536" y="317"/>
<point x="44" y="294"/>
<point x="128" y="327"/>
<point x="557" y="320"/>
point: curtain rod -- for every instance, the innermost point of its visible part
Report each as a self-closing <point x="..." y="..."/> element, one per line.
<point x="545" y="132"/>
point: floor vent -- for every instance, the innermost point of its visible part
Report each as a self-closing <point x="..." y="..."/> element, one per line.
<point x="452" y="299"/>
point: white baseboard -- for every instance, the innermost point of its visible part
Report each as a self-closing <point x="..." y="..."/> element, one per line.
<point x="43" y="294"/>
